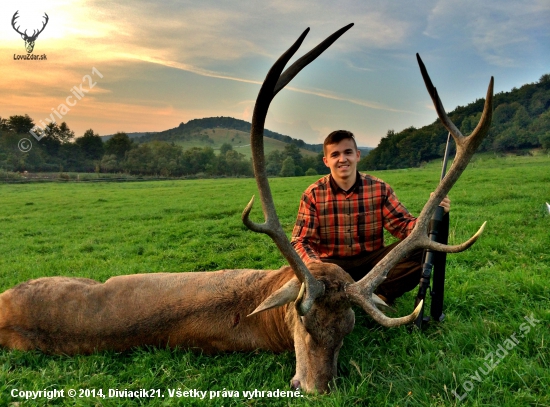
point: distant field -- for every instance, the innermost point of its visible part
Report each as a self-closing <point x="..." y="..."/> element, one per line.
<point x="107" y="229"/>
<point x="240" y="141"/>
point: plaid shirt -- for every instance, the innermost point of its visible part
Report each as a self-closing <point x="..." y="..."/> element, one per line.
<point x="336" y="223"/>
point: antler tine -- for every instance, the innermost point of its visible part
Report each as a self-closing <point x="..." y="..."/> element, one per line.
<point x="301" y="63"/>
<point x="449" y="125"/>
<point x="273" y="83"/>
<point x="35" y="34"/>
<point x="361" y="292"/>
<point x="15" y="16"/>
<point x="465" y="146"/>
<point x="44" y="23"/>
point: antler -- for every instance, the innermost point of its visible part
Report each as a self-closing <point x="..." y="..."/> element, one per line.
<point x="43" y="26"/>
<point x="361" y="292"/>
<point x="273" y="83"/>
<point x="15" y="16"/>
<point x="34" y="33"/>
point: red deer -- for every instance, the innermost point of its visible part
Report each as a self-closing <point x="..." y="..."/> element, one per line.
<point x="308" y="310"/>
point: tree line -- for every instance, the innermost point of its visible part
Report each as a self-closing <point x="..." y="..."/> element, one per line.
<point x="58" y="150"/>
<point x="521" y="120"/>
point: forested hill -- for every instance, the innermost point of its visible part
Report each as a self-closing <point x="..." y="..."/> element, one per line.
<point x="521" y="120"/>
<point x="193" y="129"/>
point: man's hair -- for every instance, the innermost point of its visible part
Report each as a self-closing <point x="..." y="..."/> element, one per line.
<point x="336" y="136"/>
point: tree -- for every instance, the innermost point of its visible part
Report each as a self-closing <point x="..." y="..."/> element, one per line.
<point x="521" y="118"/>
<point x="503" y="114"/>
<point x="60" y="133"/>
<point x="91" y="145"/>
<point x="469" y="124"/>
<point x="50" y="142"/>
<point x="540" y="102"/>
<point x="197" y="159"/>
<point x="20" y="124"/>
<point x="274" y="163"/>
<point x="167" y="158"/>
<point x="236" y="165"/>
<point x="4" y="124"/>
<point x="225" y="147"/>
<point x="320" y="166"/>
<point x="139" y="160"/>
<point x="292" y="150"/>
<point x="544" y="140"/>
<point x="288" y="169"/>
<point x="109" y="163"/>
<point x="118" y="145"/>
<point x="311" y="171"/>
<point x="72" y="158"/>
<point x="309" y="161"/>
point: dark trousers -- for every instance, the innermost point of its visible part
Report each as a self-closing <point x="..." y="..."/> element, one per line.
<point x="402" y="278"/>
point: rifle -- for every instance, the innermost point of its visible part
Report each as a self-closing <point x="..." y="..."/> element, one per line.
<point x="438" y="231"/>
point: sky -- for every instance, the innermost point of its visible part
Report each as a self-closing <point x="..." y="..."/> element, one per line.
<point x="145" y="65"/>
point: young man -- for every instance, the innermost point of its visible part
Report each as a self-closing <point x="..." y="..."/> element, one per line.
<point x="342" y="216"/>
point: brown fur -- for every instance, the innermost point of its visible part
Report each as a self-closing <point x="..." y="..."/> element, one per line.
<point x="206" y="311"/>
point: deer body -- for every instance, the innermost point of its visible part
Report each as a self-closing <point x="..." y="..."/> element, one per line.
<point x="206" y="311"/>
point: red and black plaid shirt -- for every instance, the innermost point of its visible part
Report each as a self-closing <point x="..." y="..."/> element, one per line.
<point x="336" y="223"/>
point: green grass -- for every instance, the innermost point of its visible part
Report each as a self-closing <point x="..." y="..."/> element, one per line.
<point x="102" y="230"/>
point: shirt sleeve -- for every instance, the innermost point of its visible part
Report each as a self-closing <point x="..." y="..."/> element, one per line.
<point x="397" y="219"/>
<point x="305" y="235"/>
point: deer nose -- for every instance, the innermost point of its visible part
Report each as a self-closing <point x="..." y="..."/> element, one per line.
<point x="295" y="385"/>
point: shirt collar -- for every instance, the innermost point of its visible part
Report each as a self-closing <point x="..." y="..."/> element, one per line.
<point x="336" y="188"/>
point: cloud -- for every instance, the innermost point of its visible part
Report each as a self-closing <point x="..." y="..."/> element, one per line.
<point x="499" y="31"/>
<point x="187" y="59"/>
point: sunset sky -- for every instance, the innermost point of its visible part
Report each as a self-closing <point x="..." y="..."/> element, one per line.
<point x="155" y="64"/>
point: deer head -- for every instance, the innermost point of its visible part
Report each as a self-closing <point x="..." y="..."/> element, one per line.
<point x="323" y="304"/>
<point x="29" y="40"/>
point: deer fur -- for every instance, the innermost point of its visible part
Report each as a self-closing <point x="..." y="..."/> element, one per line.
<point x="203" y="310"/>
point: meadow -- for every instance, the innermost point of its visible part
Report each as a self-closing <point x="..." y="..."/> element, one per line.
<point x="105" y="229"/>
<point x="239" y="140"/>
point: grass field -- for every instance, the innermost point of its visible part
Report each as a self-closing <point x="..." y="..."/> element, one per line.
<point x="102" y="230"/>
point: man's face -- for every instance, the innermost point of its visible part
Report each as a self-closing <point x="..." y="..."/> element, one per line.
<point x="342" y="159"/>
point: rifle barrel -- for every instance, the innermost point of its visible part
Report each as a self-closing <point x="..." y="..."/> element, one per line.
<point x="445" y="158"/>
<point x="428" y="258"/>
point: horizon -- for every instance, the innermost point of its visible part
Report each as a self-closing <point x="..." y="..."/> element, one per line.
<point x="153" y="66"/>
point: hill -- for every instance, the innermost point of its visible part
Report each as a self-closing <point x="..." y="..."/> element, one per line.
<point x="131" y="135"/>
<point x="521" y="120"/>
<point x="215" y="131"/>
<point x="215" y="138"/>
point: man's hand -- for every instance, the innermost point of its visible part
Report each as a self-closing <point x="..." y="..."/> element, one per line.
<point x="445" y="203"/>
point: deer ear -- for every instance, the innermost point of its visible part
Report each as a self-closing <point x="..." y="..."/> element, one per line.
<point x="287" y="293"/>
